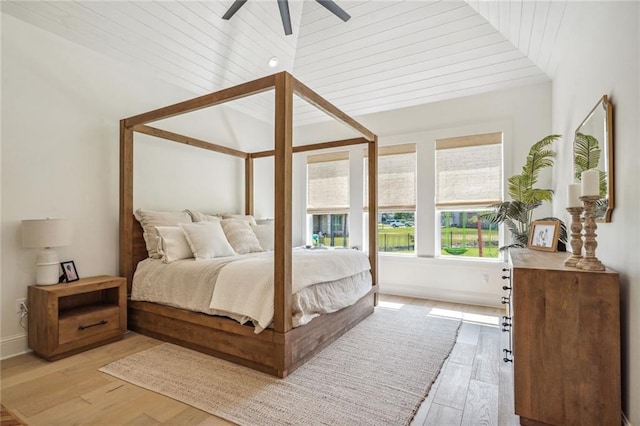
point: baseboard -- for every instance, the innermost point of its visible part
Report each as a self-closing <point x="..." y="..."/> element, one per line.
<point x="625" y="420"/>
<point x="445" y="295"/>
<point x="13" y="346"/>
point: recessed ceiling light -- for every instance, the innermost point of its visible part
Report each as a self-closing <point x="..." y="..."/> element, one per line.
<point x="273" y="62"/>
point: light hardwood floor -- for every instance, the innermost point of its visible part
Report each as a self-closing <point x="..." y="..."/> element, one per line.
<point x="474" y="387"/>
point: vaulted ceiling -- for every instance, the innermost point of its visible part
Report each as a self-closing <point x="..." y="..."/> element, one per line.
<point x="390" y="54"/>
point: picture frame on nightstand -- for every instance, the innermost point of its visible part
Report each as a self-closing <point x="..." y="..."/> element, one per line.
<point x="69" y="271"/>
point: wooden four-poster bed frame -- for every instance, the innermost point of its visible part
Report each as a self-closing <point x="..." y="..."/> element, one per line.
<point x="281" y="349"/>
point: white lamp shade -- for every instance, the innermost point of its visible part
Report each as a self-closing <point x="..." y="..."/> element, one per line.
<point x="46" y="233"/>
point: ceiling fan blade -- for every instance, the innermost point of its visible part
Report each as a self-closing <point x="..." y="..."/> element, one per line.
<point x="233" y="9"/>
<point x="332" y="7"/>
<point x="283" y="5"/>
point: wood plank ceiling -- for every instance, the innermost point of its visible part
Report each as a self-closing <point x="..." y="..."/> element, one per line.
<point x="391" y="54"/>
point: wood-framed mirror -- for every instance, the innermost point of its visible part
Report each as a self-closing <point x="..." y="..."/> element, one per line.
<point x="593" y="149"/>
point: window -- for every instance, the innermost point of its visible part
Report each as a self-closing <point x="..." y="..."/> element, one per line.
<point x="330" y="230"/>
<point x="396" y="232"/>
<point x="396" y="198"/>
<point x="468" y="178"/>
<point x="466" y="233"/>
<point x="328" y="198"/>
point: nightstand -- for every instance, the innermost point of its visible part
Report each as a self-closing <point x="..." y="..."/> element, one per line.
<point x="68" y="318"/>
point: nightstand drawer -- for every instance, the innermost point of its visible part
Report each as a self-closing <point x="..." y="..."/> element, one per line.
<point x="88" y="321"/>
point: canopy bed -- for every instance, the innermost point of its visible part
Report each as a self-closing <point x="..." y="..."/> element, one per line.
<point x="281" y="348"/>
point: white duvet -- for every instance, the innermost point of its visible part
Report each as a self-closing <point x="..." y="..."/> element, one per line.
<point x="241" y="287"/>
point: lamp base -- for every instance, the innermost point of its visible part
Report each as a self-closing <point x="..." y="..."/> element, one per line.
<point x="48" y="267"/>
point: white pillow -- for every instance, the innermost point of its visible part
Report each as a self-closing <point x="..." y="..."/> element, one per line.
<point x="173" y="244"/>
<point x="241" y="236"/>
<point x="207" y="240"/>
<point x="244" y="217"/>
<point x="202" y="217"/>
<point x="265" y="235"/>
<point x="149" y="219"/>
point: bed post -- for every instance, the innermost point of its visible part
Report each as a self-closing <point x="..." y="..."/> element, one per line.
<point x="126" y="203"/>
<point x="282" y="202"/>
<point x="248" y="185"/>
<point x="373" y="211"/>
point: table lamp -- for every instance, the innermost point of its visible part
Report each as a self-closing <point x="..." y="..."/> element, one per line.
<point x="46" y="233"/>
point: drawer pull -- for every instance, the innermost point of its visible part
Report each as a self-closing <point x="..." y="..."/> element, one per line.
<point x="504" y="300"/>
<point x="505" y="288"/>
<point x="95" y="324"/>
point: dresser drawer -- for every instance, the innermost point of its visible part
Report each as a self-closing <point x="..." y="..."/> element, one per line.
<point x="77" y="324"/>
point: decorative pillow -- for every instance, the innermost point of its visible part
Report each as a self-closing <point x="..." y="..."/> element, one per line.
<point x="265" y="235"/>
<point x="245" y="217"/>
<point x="173" y="244"/>
<point x="241" y="236"/>
<point x="207" y="240"/>
<point x="202" y="217"/>
<point x="149" y="219"/>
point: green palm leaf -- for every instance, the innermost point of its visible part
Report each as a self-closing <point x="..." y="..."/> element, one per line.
<point x="539" y="157"/>
<point x="516" y="215"/>
<point x="586" y="154"/>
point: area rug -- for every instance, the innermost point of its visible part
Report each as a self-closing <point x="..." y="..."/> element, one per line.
<point x="378" y="373"/>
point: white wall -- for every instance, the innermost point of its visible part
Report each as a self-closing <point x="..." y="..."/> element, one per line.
<point x="602" y="56"/>
<point x="61" y="106"/>
<point x="169" y="176"/>
<point x="523" y="114"/>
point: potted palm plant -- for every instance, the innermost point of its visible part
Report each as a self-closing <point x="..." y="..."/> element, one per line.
<point x="517" y="214"/>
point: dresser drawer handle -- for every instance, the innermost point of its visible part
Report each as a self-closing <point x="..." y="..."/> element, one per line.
<point x="95" y="324"/>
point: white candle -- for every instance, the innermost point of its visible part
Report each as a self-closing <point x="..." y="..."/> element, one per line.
<point x="573" y="195"/>
<point x="590" y="182"/>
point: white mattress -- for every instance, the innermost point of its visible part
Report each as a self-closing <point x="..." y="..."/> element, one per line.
<point x="190" y="284"/>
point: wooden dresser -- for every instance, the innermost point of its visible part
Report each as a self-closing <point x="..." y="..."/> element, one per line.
<point x="566" y="341"/>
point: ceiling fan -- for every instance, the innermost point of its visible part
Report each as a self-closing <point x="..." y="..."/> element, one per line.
<point x="283" y="5"/>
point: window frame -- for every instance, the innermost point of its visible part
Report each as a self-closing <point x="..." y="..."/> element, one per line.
<point x="385" y="151"/>
<point x="483" y="138"/>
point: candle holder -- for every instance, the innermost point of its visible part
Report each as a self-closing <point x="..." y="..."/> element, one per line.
<point x="590" y="262"/>
<point x="576" y="236"/>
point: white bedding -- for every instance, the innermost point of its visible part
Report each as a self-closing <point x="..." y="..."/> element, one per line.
<point x="241" y="287"/>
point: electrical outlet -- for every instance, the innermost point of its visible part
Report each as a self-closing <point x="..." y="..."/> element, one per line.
<point x="20" y="305"/>
<point x="485" y="278"/>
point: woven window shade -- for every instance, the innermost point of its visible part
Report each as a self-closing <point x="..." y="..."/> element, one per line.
<point x="396" y="178"/>
<point x="469" y="170"/>
<point x="328" y="183"/>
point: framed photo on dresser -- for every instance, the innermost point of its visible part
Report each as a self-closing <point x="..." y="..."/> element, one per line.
<point x="544" y="235"/>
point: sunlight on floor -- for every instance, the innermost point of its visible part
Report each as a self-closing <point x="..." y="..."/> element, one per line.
<point x="466" y="317"/>
<point x="491" y="320"/>
<point x="390" y="305"/>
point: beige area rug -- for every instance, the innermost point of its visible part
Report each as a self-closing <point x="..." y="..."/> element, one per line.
<point x="378" y="373"/>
